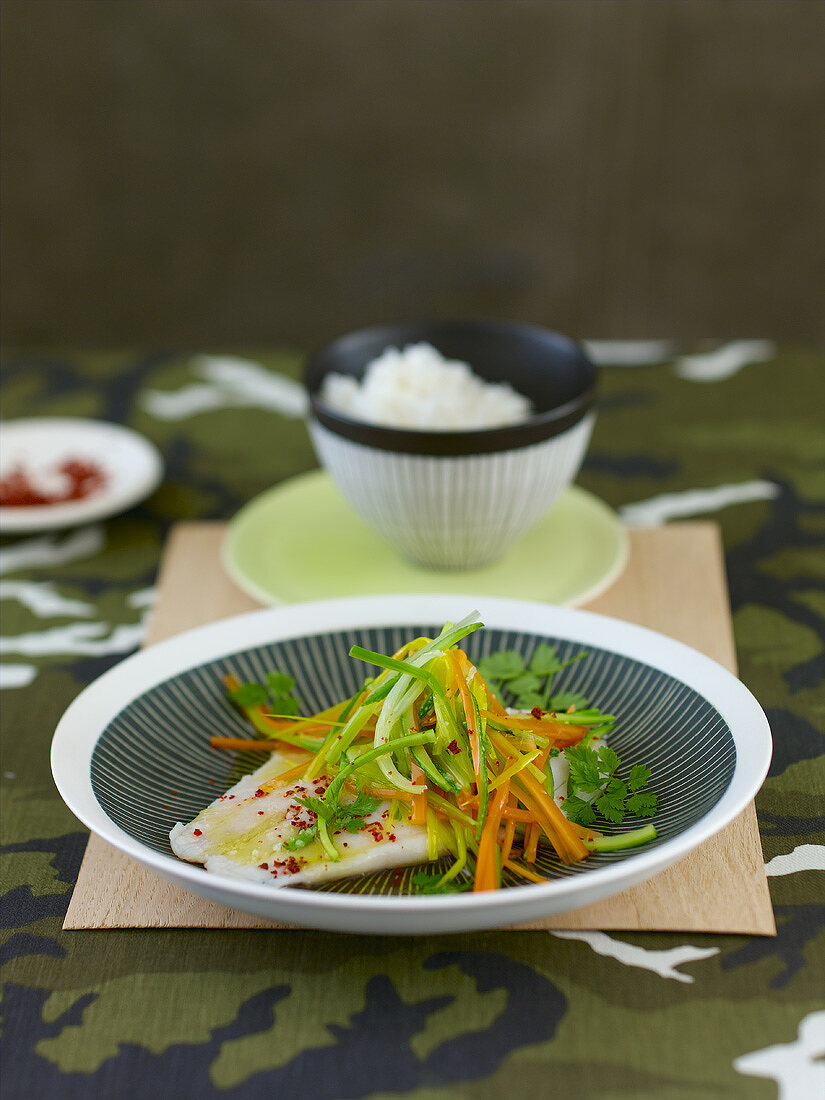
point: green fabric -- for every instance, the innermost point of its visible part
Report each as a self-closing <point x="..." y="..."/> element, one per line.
<point x="260" y="1014"/>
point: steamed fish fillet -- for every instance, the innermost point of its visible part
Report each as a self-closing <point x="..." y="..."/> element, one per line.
<point x="243" y="833"/>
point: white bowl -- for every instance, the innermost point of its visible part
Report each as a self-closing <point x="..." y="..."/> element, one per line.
<point x="131" y="755"/>
<point x="453" y="512"/>
<point x="458" y="499"/>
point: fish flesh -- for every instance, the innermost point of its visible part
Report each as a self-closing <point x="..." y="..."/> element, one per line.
<point x="246" y="831"/>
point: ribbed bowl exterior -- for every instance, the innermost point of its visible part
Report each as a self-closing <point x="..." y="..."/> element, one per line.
<point x="453" y="512"/>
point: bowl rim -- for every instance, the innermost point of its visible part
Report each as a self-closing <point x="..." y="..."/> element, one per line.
<point x="538" y="428"/>
<point x="88" y="715"/>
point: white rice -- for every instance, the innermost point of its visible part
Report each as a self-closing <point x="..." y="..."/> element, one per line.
<point x="417" y="388"/>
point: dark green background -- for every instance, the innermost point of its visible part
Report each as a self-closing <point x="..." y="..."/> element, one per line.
<point x="246" y="171"/>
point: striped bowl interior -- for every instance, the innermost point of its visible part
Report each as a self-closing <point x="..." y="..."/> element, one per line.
<point x="153" y="765"/>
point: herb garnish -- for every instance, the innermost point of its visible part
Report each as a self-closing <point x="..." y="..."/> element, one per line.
<point x="277" y="695"/>
<point x="525" y="686"/>
<point x="593" y="772"/>
<point x="347" y="818"/>
<point x="427" y="883"/>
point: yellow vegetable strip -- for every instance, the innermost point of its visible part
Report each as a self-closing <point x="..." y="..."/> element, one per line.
<point x="513" y="769"/>
<point x="531" y="843"/>
<point x="469" y="713"/>
<point x="433" y="846"/>
<point x="525" y="872"/>
<point x="509" y="832"/>
<point x="419" y="801"/>
<point x="560" y="733"/>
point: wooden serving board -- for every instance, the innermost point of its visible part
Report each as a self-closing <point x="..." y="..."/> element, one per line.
<point x="674" y="583"/>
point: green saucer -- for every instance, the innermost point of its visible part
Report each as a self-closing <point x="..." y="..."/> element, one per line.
<point x="302" y="541"/>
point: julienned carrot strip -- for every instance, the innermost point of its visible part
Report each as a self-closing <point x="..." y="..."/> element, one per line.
<point x="509" y="832"/>
<point x="555" y="824"/>
<point x="469" y="713"/>
<point x="560" y="733"/>
<point x="554" y="814"/>
<point x="510" y="813"/>
<point x="525" y="872"/>
<point x="564" y="840"/>
<point x="531" y="843"/>
<point x="537" y="815"/>
<point x="244" y="744"/>
<point x="388" y="793"/>
<point x="493" y="705"/>
<point x="486" y="877"/>
<point x="419" y="801"/>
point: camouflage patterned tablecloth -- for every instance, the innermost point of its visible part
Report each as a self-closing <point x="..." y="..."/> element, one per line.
<point x="137" y="1014"/>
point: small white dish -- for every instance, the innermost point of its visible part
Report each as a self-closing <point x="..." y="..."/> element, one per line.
<point x="143" y="728"/>
<point x="132" y="466"/>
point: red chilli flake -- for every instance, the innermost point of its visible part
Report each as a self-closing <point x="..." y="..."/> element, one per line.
<point x="536" y="712"/>
<point x="84" y="478"/>
<point x="260" y="793"/>
<point x="453" y="747"/>
<point x="264" y="866"/>
<point x="197" y="832"/>
<point x="260" y="813"/>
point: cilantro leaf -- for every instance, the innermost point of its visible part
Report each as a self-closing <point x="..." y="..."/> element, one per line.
<point x="279" y="683"/>
<point x="318" y="806"/>
<point x="611" y="808"/>
<point x="249" y="695"/>
<point x="585" y="774"/>
<point x="285" y="704"/>
<point x="306" y="836"/>
<point x="611" y="803"/>
<point x="432" y="884"/>
<point x="643" y="805"/>
<point x="530" y="700"/>
<point x="545" y="660"/>
<point x="608" y="760"/>
<point x="567" y="699"/>
<point x="345" y="818"/>
<point x="350" y="818"/>
<point x="594" y="772"/>
<point x="522" y="684"/>
<point x="504" y="665"/>
<point x="578" y="810"/>
<point x="639" y="776"/>
<point x="277" y="696"/>
<point x="362" y="805"/>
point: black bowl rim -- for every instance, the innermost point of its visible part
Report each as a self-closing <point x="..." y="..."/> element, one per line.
<point x="536" y="429"/>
